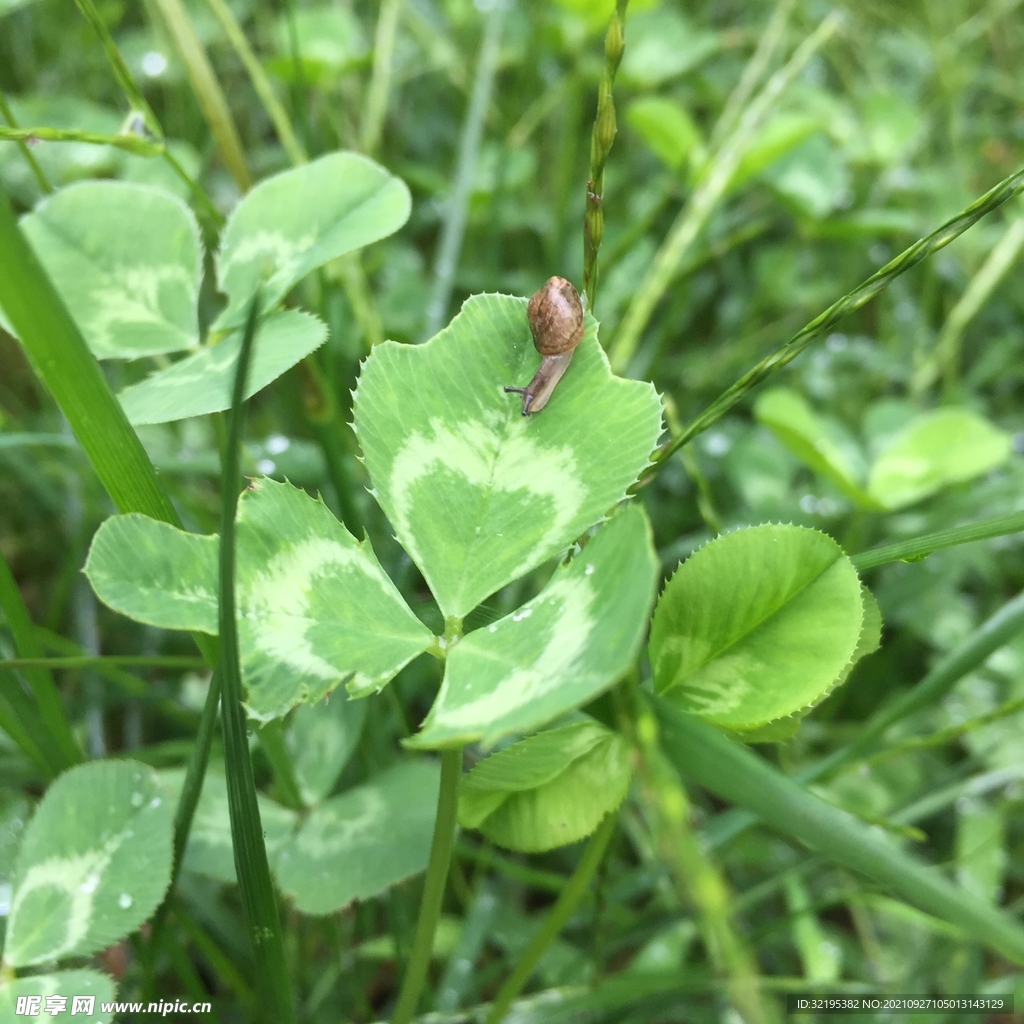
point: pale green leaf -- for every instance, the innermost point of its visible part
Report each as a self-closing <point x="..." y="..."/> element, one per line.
<point x="299" y="220"/>
<point x="940" y="448"/>
<point x="94" y="864"/>
<point x="548" y="790"/>
<point x="82" y="983"/>
<point x="131" y="292"/>
<point x="667" y="128"/>
<point x="329" y="41"/>
<point x="155" y="573"/>
<point x="314" y="606"/>
<point x="756" y="625"/>
<point x="781" y="135"/>
<point x="662" y="45"/>
<point x="210" y="851"/>
<point x="479" y="494"/>
<point x="814" y="440"/>
<point x="201" y="383"/>
<point x="321" y="738"/>
<point x="356" y="845"/>
<point x="558" y="651"/>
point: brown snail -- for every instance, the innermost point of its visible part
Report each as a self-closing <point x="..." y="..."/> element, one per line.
<point x="556" y="323"/>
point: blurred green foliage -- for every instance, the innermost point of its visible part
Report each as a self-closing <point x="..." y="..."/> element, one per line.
<point x="905" y="116"/>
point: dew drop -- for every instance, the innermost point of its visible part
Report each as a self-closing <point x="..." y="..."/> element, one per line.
<point x="524" y="614"/>
<point x="492" y="629"/>
<point x="89" y="885"/>
<point x="136" y="799"/>
<point x="155" y="802"/>
<point x="589" y="571"/>
<point x="124" y="901"/>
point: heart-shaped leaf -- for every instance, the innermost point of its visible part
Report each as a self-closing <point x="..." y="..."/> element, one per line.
<point x="131" y="292"/>
<point x="757" y="625"/>
<point x="201" y="383"/>
<point x="314" y="606"/>
<point x="548" y="790"/>
<point x="477" y="493"/>
<point x="558" y="651"/>
<point x="301" y="219"/>
<point x="356" y="845"/>
<point x="94" y="863"/>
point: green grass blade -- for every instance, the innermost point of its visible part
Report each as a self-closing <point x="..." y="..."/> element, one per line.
<point x="62" y="361"/>
<point x="734" y="773"/>
<point x="257" y="891"/>
<point x="50" y="711"/>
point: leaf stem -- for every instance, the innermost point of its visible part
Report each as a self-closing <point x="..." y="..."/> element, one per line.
<point x="574" y="891"/>
<point x="433" y="888"/>
<point x="257" y="890"/>
<point x="849" y="303"/>
<point x="916" y="548"/>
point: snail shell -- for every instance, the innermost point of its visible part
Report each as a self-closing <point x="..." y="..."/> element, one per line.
<point x="555" y="314"/>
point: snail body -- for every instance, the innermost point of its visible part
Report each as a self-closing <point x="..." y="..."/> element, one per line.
<point x="555" y="314"/>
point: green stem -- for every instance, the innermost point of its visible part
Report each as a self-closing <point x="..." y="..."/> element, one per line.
<point x="207" y="90"/>
<point x="26" y="642"/>
<point x="916" y="548"/>
<point x="574" y="891"/>
<point x="601" y="141"/>
<point x="260" y="82"/>
<point x="112" y="660"/>
<point x="26" y="153"/>
<point x="251" y="866"/>
<point x="132" y="143"/>
<point x="380" y="78"/>
<point x="124" y="77"/>
<point x="716" y="179"/>
<point x="433" y="887"/>
<point x="454" y="228"/>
